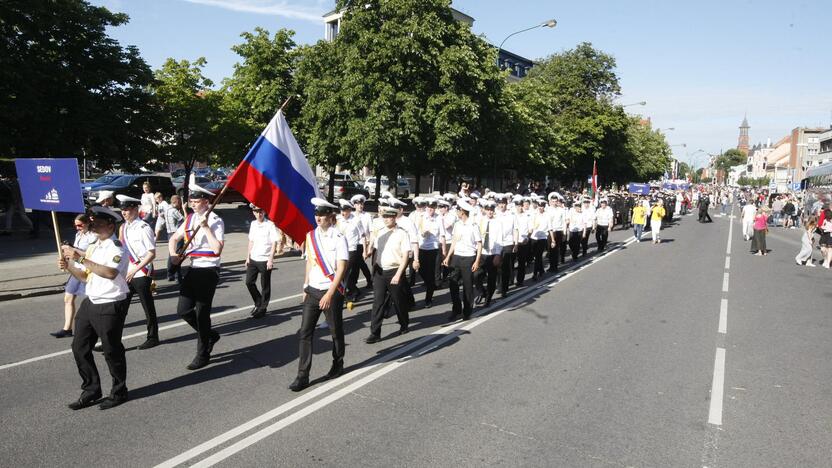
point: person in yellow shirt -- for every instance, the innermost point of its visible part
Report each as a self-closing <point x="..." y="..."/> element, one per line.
<point x="639" y="217"/>
<point x="656" y="216"/>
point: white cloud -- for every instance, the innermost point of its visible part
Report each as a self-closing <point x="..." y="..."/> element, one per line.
<point x="270" y="7"/>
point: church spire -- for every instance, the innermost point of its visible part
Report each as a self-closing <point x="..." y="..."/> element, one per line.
<point x="742" y="142"/>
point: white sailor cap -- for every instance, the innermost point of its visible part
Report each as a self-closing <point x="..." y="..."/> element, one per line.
<point x="254" y="207"/>
<point x="383" y="202"/>
<point x="322" y="206"/>
<point x="127" y="201"/>
<point x="443" y="202"/>
<point x="386" y="194"/>
<point x="527" y="199"/>
<point x="395" y="202"/>
<point x="586" y="200"/>
<point x="103" y="195"/>
<point x="449" y="196"/>
<point x="419" y="201"/>
<point x="488" y="205"/>
<point x="387" y="211"/>
<point x="604" y="200"/>
<point x="517" y="199"/>
<point x="430" y="201"/>
<point x="105" y="213"/>
<point x="475" y="195"/>
<point x="489" y="195"/>
<point x="462" y="204"/>
<point x="198" y="192"/>
<point x="502" y="197"/>
<point x="345" y="204"/>
<point x="358" y="198"/>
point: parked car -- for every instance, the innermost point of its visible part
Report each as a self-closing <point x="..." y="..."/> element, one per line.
<point x="402" y="183"/>
<point x="131" y="185"/>
<point x="343" y="189"/>
<point x="106" y="179"/>
<point x="177" y="173"/>
<point x="179" y="182"/>
<point x="231" y="195"/>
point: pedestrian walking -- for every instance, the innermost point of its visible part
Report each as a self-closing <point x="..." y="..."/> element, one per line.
<point x="539" y="237"/>
<point x="323" y="291"/>
<point x="351" y="228"/>
<point x="758" y="244"/>
<point x="463" y="260"/>
<point x="576" y="227"/>
<point x="807" y="241"/>
<point x="657" y="213"/>
<point x="101" y="315"/>
<point x="206" y="233"/>
<point x="139" y="243"/>
<point x="389" y="252"/>
<point x="366" y="222"/>
<point x="173" y="218"/>
<point x="747" y="216"/>
<point x="75" y="287"/>
<point x="431" y="244"/>
<point x="825" y="222"/>
<point x="639" y="217"/>
<point x="603" y="222"/>
<point x="263" y="241"/>
<point x="485" y="279"/>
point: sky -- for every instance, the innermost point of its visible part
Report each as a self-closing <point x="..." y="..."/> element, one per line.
<point x="700" y="66"/>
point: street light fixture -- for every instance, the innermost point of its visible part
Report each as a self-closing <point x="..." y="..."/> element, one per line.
<point x="640" y="103"/>
<point x="547" y="24"/>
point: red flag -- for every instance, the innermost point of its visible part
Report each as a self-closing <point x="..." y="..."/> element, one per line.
<point x="595" y="181"/>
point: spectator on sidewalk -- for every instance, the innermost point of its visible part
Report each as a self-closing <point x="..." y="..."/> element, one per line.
<point x="748" y="213"/>
<point x="148" y="210"/>
<point x="172" y="218"/>
<point x="826" y="236"/>
<point x="75" y="287"/>
<point x="13" y="203"/>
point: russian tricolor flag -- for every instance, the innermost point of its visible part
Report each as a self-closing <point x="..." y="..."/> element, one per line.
<point x="276" y="176"/>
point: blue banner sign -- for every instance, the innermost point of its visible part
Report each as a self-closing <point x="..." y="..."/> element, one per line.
<point x="50" y="184"/>
<point x="643" y="189"/>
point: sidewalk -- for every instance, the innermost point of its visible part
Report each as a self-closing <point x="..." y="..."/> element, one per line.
<point x="28" y="267"/>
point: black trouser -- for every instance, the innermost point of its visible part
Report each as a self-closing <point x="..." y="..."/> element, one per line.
<point x="195" y="297"/>
<point x="387" y="294"/>
<point x="311" y="314"/>
<point x="575" y="243"/>
<point x="560" y="238"/>
<point x="506" y="268"/>
<point x="363" y="266"/>
<point x="261" y="297"/>
<point x="553" y="254"/>
<point x="601" y="235"/>
<point x="461" y="273"/>
<point x="487" y="273"/>
<point x="538" y="248"/>
<point x="427" y="270"/>
<point x="524" y="251"/>
<point x="352" y="272"/>
<point x="141" y="286"/>
<point x="585" y="241"/>
<point x="175" y="271"/>
<point x="105" y="321"/>
<point x="411" y="272"/>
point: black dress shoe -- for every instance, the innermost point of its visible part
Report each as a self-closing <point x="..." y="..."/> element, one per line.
<point x="98" y="348"/>
<point x="111" y="402"/>
<point x="428" y="304"/>
<point x="198" y="363"/>
<point x="149" y="343"/>
<point x="212" y="341"/>
<point x="404" y="330"/>
<point x="466" y="317"/>
<point x="299" y="384"/>
<point x="62" y="333"/>
<point x="372" y="339"/>
<point x="258" y="313"/>
<point x="84" y="401"/>
<point x="336" y="370"/>
<point x="453" y="318"/>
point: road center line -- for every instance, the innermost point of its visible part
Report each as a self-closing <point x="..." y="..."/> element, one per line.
<point x="727" y="262"/>
<point x="417" y="348"/>
<point x="725" y="282"/>
<point x="723" y="316"/>
<point x="717" y="388"/>
<point x="178" y="323"/>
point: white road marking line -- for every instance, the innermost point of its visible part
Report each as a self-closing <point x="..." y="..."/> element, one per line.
<point x="730" y="231"/>
<point x="178" y="323"/>
<point x="725" y="282"/>
<point x="717" y="388"/>
<point x="727" y="262"/>
<point x="425" y="342"/>
<point x="723" y="317"/>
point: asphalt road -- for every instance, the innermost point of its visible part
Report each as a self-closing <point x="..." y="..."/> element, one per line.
<point x="612" y="363"/>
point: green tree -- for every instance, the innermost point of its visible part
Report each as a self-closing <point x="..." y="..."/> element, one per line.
<point x="261" y="82"/>
<point x="404" y="87"/>
<point x="648" y="154"/>
<point x="732" y="157"/>
<point x="190" y="113"/>
<point x="567" y="107"/>
<point x="67" y="88"/>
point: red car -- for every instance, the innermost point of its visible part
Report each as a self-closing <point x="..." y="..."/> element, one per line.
<point x="231" y="195"/>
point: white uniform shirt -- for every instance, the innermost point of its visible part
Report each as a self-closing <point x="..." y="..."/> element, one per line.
<point x="333" y="246"/>
<point x="161" y="209"/>
<point x="366" y="221"/>
<point x="557" y="218"/>
<point x="508" y="224"/>
<point x="603" y="216"/>
<point x="138" y="239"/>
<point x="109" y="253"/>
<point x="466" y="235"/>
<point x="407" y="224"/>
<point x="491" y="232"/>
<point x="148" y="205"/>
<point x="539" y="225"/>
<point x="589" y="216"/>
<point x="576" y="220"/>
<point x="431" y="230"/>
<point x="524" y="221"/>
<point x="262" y="236"/>
<point x="398" y="244"/>
<point x="351" y="229"/>
<point x="449" y="219"/>
<point x="200" y="252"/>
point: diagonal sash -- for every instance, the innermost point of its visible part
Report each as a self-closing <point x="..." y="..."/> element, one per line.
<point x="326" y="269"/>
<point x="134" y="259"/>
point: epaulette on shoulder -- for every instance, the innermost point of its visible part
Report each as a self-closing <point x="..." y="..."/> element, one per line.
<point x="117" y="242"/>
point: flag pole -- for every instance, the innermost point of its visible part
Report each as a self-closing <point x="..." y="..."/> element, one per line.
<point x="181" y="252"/>
<point x="57" y="233"/>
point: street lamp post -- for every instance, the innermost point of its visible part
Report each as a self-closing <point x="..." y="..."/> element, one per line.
<point x="640" y="103"/>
